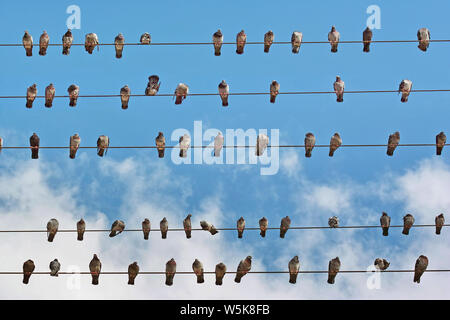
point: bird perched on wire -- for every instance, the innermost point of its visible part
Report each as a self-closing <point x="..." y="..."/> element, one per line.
<point x="441" y="140"/>
<point x="185" y="142"/>
<point x="262" y="141"/>
<point x="268" y="40"/>
<point x="145" y="38"/>
<point x="49" y="95"/>
<point x="284" y="227"/>
<point x="310" y="141"/>
<point x="241" y="39"/>
<point x="43" y="43"/>
<point x="133" y="271"/>
<point x="408" y="222"/>
<point x="220" y="272"/>
<point x="423" y="35"/>
<point x="218" y="144"/>
<point x="197" y="267"/>
<point x="385" y="222"/>
<point x="333" y="268"/>
<point x="34" y="144"/>
<point x="31" y="95"/>
<point x="52" y="229"/>
<point x="67" y="40"/>
<point x="74" y="144"/>
<point x="367" y="39"/>
<point x="187" y="225"/>
<point x="181" y="93"/>
<point x="160" y="144"/>
<point x="28" y="268"/>
<point x="393" y="141"/>
<point x="125" y="93"/>
<point x="381" y="264"/>
<point x="117" y="227"/>
<point x="119" y="44"/>
<point x="54" y="268"/>
<point x="81" y="228"/>
<point x="274" y="90"/>
<point x="333" y="38"/>
<point x="224" y="91"/>
<point x="164" y="227"/>
<point x="102" y="145"/>
<point x="27" y="42"/>
<point x="405" y="88"/>
<point x="171" y="269"/>
<point x="294" y="267"/>
<point x="263" y="224"/>
<point x="73" y="91"/>
<point x="208" y="227"/>
<point x="146" y="228"/>
<point x="95" y="267"/>
<point x="333" y="222"/>
<point x="152" y="85"/>
<point x="420" y="267"/>
<point x="1" y="144"/>
<point x="243" y="268"/>
<point x="296" y="41"/>
<point x="217" y="39"/>
<point x="339" y="89"/>
<point x="240" y="227"/>
<point x="335" y="143"/>
<point x="90" y="42"/>
<point x="440" y="221"/>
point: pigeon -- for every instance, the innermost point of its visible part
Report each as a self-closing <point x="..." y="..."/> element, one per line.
<point x="152" y="85"/>
<point x="43" y="43"/>
<point x="441" y="140"/>
<point x="185" y="142"/>
<point x="241" y="38"/>
<point x="119" y="44"/>
<point x="95" y="266"/>
<point x="91" y="41"/>
<point x="393" y="141"/>
<point x="197" y="266"/>
<point x="243" y="268"/>
<point x="49" y="95"/>
<point x="125" y="96"/>
<point x="405" y="88"/>
<point x="284" y="227"/>
<point x="333" y="222"/>
<point x="31" y="95"/>
<point x="1" y="144"/>
<point x="440" y="221"/>
<point x="67" y="40"/>
<point x="54" y="268"/>
<point x="296" y="41"/>
<point x="333" y="269"/>
<point x="187" y="226"/>
<point x="335" y="143"/>
<point x="268" y="40"/>
<point x="73" y="91"/>
<point x="145" y="38"/>
<point x="220" y="271"/>
<point x="420" y="267"/>
<point x="240" y="227"/>
<point x="423" y="35"/>
<point x="102" y="145"/>
<point x="339" y="89"/>
<point x="28" y="268"/>
<point x="381" y="264"/>
<point x="333" y="38"/>
<point x="224" y="91"/>
<point x="27" y="42"/>
<point x="263" y="224"/>
<point x="34" y="144"/>
<point x="262" y="141"/>
<point x="218" y="144"/>
<point x="74" y="143"/>
<point x="217" y="39"/>
<point x="310" y="141"/>
<point x="117" y="227"/>
<point x="52" y="229"/>
<point x="181" y="93"/>
<point x="164" y="226"/>
<point x="208" y="227"/>
<point x="133" y="271"/>
<point x="385" y="222"/>
<point x="171" y="269"/>
<point x="408" y="222"/>
<point x="294" y="267"/>
<point x="274" y="90"/>
<point x="81" y="228"/>
<point x="160" y="144"/>
<point x="367" y="38"/>
<point x="146" y="228"/>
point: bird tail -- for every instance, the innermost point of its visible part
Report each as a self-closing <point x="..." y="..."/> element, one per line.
<point x="66" y="51"/>
<point x="439" y="150"/>
<point x="54" y="274"/>
<point x="188" y="234"/>
<point x="80" y="236"/>
<point x="240" y="50"/>
<point x="308" y="153"/>
<point x="124" y="105"/>
<point x="48" y="103"/>
<point x="404" y="98"/>
<point x="42" y="51"/>
<point x="405" y="231"/>
<point x="29" y="52"/>
<point x="161" y="153"/>
<point x="112" y="234"/>
<point x="95" y="279"/>
<point x="217" y="153"/>
<point x="334" y="48"/>
<point x="438" y="230"/>
<point x="217" y="52"/>
<point x="72" y="153"/>
<point x="417" y="277"/>
<point x="340" y="98"/>
<point x="213" y="231"/>
<point x="101" y="152"/>
<point x="118" y="54"/>
<point x="282" y="233"/>
<point x="390" y="151"/>
<point x="272" y="98"/>
<point x="219" y="281"/>
<point x="422" y="46"/>
<point x="200" y="278"/>
<point x="266" y="48"/>
<point x="366" y="47"/>
<point x="182" y="153"/>
<point x="146" y="235"/>
<point x="293" y="278"/>
<point x="385" y="231"/>
<point x="169" y="279"/>
<point x="331" y="278"/>
<point x="73" y="102"/>
<point x="131" y="280"/>
<point x="178" y="100"/>
<point x="26" y="278"/>
<point x="29" y="104"/>
<point x="331" y="153"/>
<point x="295" y="49"/>
<point x="263" y="233"/>
<point x="238" y="277"/>
<point x="240" y="234"/>
<point x="51" y="236"/>
<point x="163" y="234"/>
<point x="90" y="49"/>
<point x="224" y="101"/>
<point x="35" y="153"/>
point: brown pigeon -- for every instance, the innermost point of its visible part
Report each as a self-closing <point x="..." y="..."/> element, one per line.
<point x="393" y="141"/>
<point x="333" y="269"/>
<point x="441" y="140"/>
<point x="440" y="221"/>
<point x="31" y="95"/>
<point x="367" y="38"/>
<point x="268" y="40"/>
<point x="339" y="89"/>
<point x="217" y="41"/>
<point x="54" y="267"/>
<point x="243" y="268"/>
<point x="27" y="42"/>
<point x="333" y="38"/>
<point x="263" y="224"/>
<point x="91" y="41"/>
<point x="262" y="141"/>
<point x="335" y="143"/>
<point x="274" y="90"/>
<point x="125" y="93"/>
<point x="405" y="88"/>
<point x="208" y="227"/>
<point x="28" y="268"/>
<point x="67" y="40"/>
<point x="34" y="144"/>
<point x="408" y="222"/>
<point x="43" y="43"/>
<point x="52" y="229"/>
<point x="49" y="95"/>
<point x="164" y="227"/>
<point x="381" y="264"/>
<point x="224" y="91"/>
<point x="220" y="271"/>
<point x="197" y="266"/>
<point x="81" y="228"/>
<point x="185" y="142"/>
<point x="385" y="222"/>
<point x="241" y="38"/>
<point x="294" y="267"/>
<point x="240" y="227"/>
<point x="146" y="228"/>
<point x="95" y="266"/>
<point x="171" y="269"/>
<point x="181" y="93"/>
<point x="102" y="145"/>
<point x="119" y="44"/>
<point x="73" y="91"/>
<point x="420" y="267"/>
<point x="160" y="144"/>
<point x="187" y="226"/>
<point x="133" y="271"/>
<point x="152" y="86"/>
<point x="296" y="41"/>
<point x="284" y="227"/>
<point x="74" y="144"/>
<point x="423" y="35"/>
<point x="145" y="38"/>
<point x="310" y="141"/>
<point x="117" y="228"/>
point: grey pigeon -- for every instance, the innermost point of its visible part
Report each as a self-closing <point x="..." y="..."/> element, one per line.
<point x="43" y="43"/>
<point x="441" y="140"/>
<point x="241" y="38"/>
<point x="146" y="228"/>
<point x="296" y="41"/>
<point x="160" y="144"/>
<point x="133" y="271"/>
<point x="102" y="145"/>
<point x="217" y="39"/>
<point x="171" y="269"/>
<point x="119" y="44"/>
<point x="263" y="224"/>
<point x="91" y="41"/>
<point x="284" y="227"/>
<point x="240" y="226"/>
<point x="274" y="90"/>
<point x="117" y="228"/>
<point x="393" y="141"/>
<point x="385" y="222"/>
<point x="31" y="95"/>
<point x="67" y="40"/>
<point x="440" y="221"/>
<point x="49" y="95"/>
<point x="423" y="35"/>
<point x="145" y="38"/>
<point x="187" y="225"/>
<point x="185" y="142"/>
<point x="243" y="268"/>
<point x="262" y="141"/>
<point x="125" y="93"/>
<point x="335" y="143"/>
<point x="208" y="227"/>
<point x="367" y="38"/>
<point x="81" y="228"/>
<point x="224" y="91"/>
<point x="218" y="144"/>
<point x="73" y="91"/>
<point x="27" y="42"/>
<point x="95" y="267"/>
<point x="28" y="268"/>
<point x="164" y="227"/>
<point x="310" y="141"/>
<point x="197" y="266"/>
<point x="34" y="144"/>
<point x="52" y="229"/>
<point x="333" y="269"/>
<point x="220" y="271"/>
<point x="408" y="222"/>
<point x="381" y="264"/>
<point x="405" y="88"/>
<point x="333" y="38"/>
<point x="339" y="86"/>
<point x="152" y="85"/>
<point x="74" y="144"/>
<point x="54" y="268"/>
<point x="294" y="267"/>
<point x="268" y="40"/>
<point x="420" y="267"/>
<point x="181" y="93"/>
<point x="333" y="222"/>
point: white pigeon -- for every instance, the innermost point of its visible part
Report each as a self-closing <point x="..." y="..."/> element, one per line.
<point x="405" y="88"/>
<point x="185" y="142"/>
<point x="218" y="144"/>
<point x="262" y="141"/>
<point x="333" y="38"/>
<point x="296" y="41"/>
<point x="423" y="35"/>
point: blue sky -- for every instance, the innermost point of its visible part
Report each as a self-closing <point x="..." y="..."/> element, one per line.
<point x="352" y="184"/>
